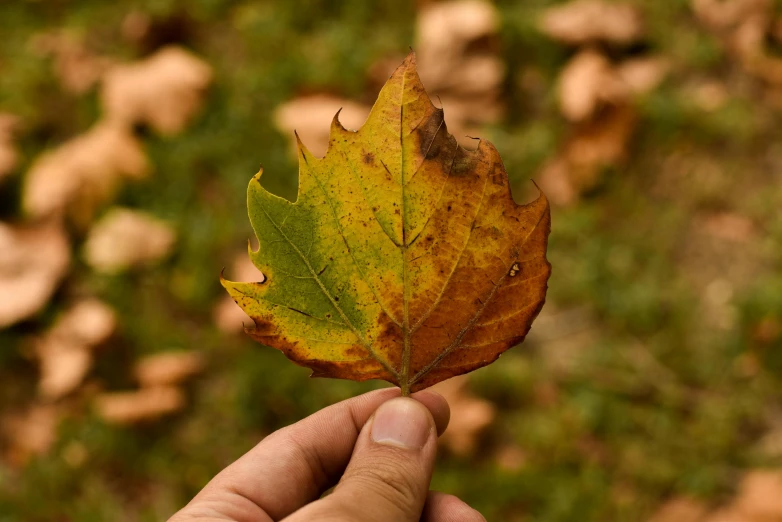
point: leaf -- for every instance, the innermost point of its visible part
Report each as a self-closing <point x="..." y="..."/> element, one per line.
<point x="404" y="257"/>
<point x="147" y="404"/>
<point x="471" y="416"/>
<point x="590" y="21"/>
<point x="164" y="91"/>
<point x="33" y="261"/>
<point x="65" y="352"/>
<point x="126" y="238"/>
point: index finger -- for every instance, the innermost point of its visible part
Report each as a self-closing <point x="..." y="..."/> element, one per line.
<point x="294" y="465"/>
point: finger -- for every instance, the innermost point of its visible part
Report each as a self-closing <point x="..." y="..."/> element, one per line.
<point x="441" y="507"/>
<point x="294" y="465"/>
<point x="388" y="476"/>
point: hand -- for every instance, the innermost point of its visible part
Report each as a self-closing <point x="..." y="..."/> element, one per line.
<point x="380" y="448"/>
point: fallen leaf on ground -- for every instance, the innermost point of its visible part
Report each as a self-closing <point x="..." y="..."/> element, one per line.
<point x="33" y="260"/>
<point x="745" y="28"/>
<point x="168" y="368"/>
<point x="76" y="67"/>
<point x="29" y="433"/>
<point x="458" y="52"/>
<point x="306" y="117"/>
<point x="444" y="30"/>
<point x="590" y="80"/>
<point x="594" y="146"/>
<point x="83" y="173"/>
<point x="132" y="407"/>
<point x="709" y="95"/>
<point x="586" y="82"/>
<point x="9" y="156"/>
<point x="760" y="496"/>
<point x="65" y="351"/>
<point x="163" y="91"/>
<point x="730" y="226"/>
<point x="590" y="21"/>
<point x="470" y="415"/>
<point x="681" y="509"/>
<point x="404" y="257"/>
<point x="729" y="14"/>
<point x="88" y="322"/>
<point x="62" y="366"/>
<point x="125" y="238"/>
<point x="511" y="458"/>
<point x="642" y="75"/>
<point x="136" y="26"/>
<point x="729" y="515"/>
<point x="228" y="316"/>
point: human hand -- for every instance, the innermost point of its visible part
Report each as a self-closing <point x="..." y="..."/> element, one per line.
<point x="379" y="447"/>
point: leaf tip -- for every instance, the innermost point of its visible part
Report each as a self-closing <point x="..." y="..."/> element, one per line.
<point x="542" y="194"/>
<point x="336" y="124"/>
<point x="305" y="153"/>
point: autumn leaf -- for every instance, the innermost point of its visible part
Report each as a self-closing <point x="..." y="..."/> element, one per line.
<point x="404" y="257"/>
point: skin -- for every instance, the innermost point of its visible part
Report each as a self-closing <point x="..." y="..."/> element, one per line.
<point x="380" y="459"/>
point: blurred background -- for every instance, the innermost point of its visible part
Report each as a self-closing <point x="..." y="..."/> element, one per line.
<point x="648" y="388"/>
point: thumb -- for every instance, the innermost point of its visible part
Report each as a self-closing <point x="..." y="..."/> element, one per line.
<point x="389" y="472"/>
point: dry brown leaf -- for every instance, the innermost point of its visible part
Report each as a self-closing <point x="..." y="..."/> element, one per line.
<point x="729" y="226"/>
<point x="307" y="115"/>
<point x="9" y="156"/>
<point x="125" y="238"/>
<point x="443" y="33"/>
<point x="136" y="26"/>
<point x="589" y="21"/>
<point x="729" y="14"/>
<point x="83" y="173"/>
<point x="767" y="331"/>
<point x="64" y="352"/>
<point x="593" y="147"/>
<point x="33" y="260"/>
<point x="728" y="515"/>
<point x="163" y="91"/>
<point x="458" y="61"/>
<point x="589" y="81"/>
<point x="745" y="28"/>
<point x="29" y="433"/>
<point x="470" y="415"/>
<point x="89" y="322"/>
<point x="760" y="496"/>
<point x="709" y="95"/>
<point x="511" y="458"/>
<point x="681" y="509"/>
<point x="228" y="316"/>
<point x="585" y="83"/>
<point x="63" y="366"/>
<point x="168" y="368"/>
<point x="642" y="75"/>
<point x="132" y="407"/>
<point x="75" y="66"/>
<point x="770" y="445"/>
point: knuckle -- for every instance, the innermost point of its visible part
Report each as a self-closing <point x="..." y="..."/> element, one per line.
<point x="387" y="479"/>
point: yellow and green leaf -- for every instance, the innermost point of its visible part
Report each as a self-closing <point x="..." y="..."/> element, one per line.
<point x="404" y="257"/>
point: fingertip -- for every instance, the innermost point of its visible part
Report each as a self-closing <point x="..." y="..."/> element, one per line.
<point x="402" y="422"/>
<point x="442" y="507"/>
<point x="437" y="406"/>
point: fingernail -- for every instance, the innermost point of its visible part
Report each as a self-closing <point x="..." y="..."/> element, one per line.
<point x="402" y="422"/>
